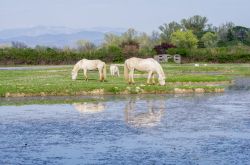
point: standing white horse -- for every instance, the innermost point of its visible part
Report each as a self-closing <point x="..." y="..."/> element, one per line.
<point x="148" y="65"/>
<point x="114" y="70"/>
<point x="89" y="65"/>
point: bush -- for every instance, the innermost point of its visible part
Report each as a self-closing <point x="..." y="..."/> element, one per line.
<point x="236" y="54"/>
<point x="162" y="48"/>
<point x="239" y="54"/>
<point x="181" y="51"/>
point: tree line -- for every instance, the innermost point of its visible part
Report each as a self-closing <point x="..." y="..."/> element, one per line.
<point x="187" y="37"/>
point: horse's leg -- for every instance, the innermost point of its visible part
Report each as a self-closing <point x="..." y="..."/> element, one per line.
<point x="132" y="76"/>
<point x="112" y="73"/>
<point x="129" y="77"/>
<point x="85" y="74"/>
<point x="149" y="76"/>
<point x="153" y="78"/>
<point x="100" y="74"/>
<point x="118" y="74"/>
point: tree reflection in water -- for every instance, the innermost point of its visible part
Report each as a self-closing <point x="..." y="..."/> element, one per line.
<point x="144" y="113"/>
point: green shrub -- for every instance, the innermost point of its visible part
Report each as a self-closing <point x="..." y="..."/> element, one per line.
<point x="181" y="51"/>
<point x="236" y="54"/>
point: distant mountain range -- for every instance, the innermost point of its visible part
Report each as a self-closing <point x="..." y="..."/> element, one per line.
<point x="55" y="36"/>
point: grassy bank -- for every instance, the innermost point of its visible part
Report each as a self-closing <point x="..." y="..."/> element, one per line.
<point x="57" y="81"/>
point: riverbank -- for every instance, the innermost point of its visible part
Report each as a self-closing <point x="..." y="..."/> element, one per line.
<point x="56" y="81"/>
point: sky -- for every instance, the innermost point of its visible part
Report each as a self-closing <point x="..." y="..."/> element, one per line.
<point x="143" y="15"/>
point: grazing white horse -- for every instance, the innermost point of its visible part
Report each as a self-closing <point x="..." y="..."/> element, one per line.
<point x="89" y="65"/>
<point x="114" y="70"/>
<point x="148" y="65"/>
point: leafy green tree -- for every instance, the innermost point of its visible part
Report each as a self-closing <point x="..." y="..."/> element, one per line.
<point x="184" y="39"/>
<point x="168" y="29"/>
<point x="195" y="23"/>
<point x="209" y="39"/>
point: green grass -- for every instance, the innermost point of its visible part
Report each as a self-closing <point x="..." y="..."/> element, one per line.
<point x="57" y="81"/>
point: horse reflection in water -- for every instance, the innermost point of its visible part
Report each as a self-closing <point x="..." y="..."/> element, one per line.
<point x="89" y="107"/>
<point x="147" y="116"/>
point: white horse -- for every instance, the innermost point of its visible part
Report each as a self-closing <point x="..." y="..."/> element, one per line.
<point x="114" y="70"/>
<point x="148" y="65"/>
<point x="89" y="107"/>
<point x="89" y="65"/>
<point x="149" y="116"/>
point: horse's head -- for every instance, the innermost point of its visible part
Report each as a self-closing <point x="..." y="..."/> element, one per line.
<point x="161" y="80"/>
<point x="74" y="74"/>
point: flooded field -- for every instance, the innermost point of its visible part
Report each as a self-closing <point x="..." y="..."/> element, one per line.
<point x="147" y="129"/>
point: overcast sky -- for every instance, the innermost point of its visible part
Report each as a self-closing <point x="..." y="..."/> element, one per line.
<point x="143" y="15"/>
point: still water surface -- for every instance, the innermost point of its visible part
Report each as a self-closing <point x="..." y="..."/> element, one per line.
<point x="148" y="129"/>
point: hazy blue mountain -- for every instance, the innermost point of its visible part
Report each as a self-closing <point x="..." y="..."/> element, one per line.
<point x="55" y="36"/>
<point x="58" y="40"/>
<point x="35" y="31"/>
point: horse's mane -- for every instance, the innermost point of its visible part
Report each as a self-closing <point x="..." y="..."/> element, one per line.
<point x="77" y="66"/>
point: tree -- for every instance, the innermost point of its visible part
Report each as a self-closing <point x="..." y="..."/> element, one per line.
<point x="230" y="35"/>
<point x="66" y="49"/>
<point x="111" y="39"/>
<point x="184" y="39"/>
<point x="224" y="30"/>
<point x="84" y="45"/>
<point x="240" y="33"/>
<point x="130" y="45"/>
<point x="209" y="39"/>
<point x="195" y="23"/>
<point x="130" y="35"/>
<point x="144" y="41"/>
<point x="130" y="48"/>
<point x="248" y="37"/>
<point x="155" y="38"/>
<point x="17" y="44"/>
<point x="168" y="29"/>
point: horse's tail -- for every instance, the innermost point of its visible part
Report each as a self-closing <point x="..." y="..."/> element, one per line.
<point x="125" y="71"/>
<point x="104" y="71"/>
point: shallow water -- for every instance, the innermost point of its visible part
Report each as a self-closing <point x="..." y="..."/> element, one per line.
<point x="148" y="129"/>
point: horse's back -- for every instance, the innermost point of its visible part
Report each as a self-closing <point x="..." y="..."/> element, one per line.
<point x="91" y="64"/>
<point x="136" y="59"/>
<point x="147" y="64"/>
